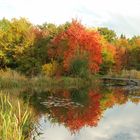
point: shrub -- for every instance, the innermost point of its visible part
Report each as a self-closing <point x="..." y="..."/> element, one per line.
<point x="50" y="68"/>
<point x="79" y="67"/>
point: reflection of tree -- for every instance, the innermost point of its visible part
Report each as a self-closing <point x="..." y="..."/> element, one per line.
<point x="77" y="117"/>
<point x="134" y="96"/>
<point x="76" y="108"/>
<point x="112" y="97"/>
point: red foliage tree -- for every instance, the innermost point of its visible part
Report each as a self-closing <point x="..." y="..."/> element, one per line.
<point x="77" y="40"/>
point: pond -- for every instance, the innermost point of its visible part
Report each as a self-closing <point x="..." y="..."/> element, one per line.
<point x="85" y="114"/>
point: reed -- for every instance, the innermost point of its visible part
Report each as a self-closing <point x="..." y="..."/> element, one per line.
<point x="15" y="121"/>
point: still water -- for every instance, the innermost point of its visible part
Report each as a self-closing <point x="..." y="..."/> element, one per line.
<point x="86" y="114"/>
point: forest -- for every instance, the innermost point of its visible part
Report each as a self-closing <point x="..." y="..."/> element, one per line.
<point x="70" y="49"/>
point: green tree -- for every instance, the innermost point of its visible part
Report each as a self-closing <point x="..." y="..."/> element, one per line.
<point x="108" y="34"/>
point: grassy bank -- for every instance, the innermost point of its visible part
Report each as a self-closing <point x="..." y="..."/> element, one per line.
<point x="15" y="120"/>
<point x="65" y="82"/>
<point x="12" y="80"/>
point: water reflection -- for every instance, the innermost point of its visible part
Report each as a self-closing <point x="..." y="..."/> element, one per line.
<point x="79" y="114"/>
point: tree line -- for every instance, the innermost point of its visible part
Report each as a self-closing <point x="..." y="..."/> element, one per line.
<point x="69" y="49"/>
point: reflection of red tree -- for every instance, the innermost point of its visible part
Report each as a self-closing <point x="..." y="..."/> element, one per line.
<point x="77" y="117"/>
<point x="120" y="96"/>
<point x="74" y="116"/>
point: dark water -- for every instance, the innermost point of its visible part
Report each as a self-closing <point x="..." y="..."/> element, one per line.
<point x="86" y="114"/>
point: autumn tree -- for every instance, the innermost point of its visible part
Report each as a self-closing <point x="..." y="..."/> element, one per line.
<point x="31" y="60"/>
<point x="15" y="37"/>
<point x="134" y="53"/>
<point x="77" y="44"/>
<point x="108" y="56"/>
<point x="122" y="54"/>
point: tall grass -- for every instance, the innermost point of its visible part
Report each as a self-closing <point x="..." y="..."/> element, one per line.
<point x="15" y="122"/>
<point x="11" y="79"/>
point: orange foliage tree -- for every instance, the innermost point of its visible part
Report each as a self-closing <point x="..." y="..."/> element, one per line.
<point x="77" y="40"/>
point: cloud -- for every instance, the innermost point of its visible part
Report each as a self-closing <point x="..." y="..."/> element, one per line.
<point x="128" y="25"/>
<point x="123" y="16"/>
<point x="117" y="124"/>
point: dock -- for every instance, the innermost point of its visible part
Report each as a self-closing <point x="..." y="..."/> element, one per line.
<point x="120" y="81"/>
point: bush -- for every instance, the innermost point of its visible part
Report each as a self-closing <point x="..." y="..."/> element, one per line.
<point x="50" y="68"/>
<point x="79" y="67"/>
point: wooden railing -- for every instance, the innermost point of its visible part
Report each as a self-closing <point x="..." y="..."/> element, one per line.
<point x="120" y="81"/>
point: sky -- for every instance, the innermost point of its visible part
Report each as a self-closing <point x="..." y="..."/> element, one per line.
<point x="123" y="16"/>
